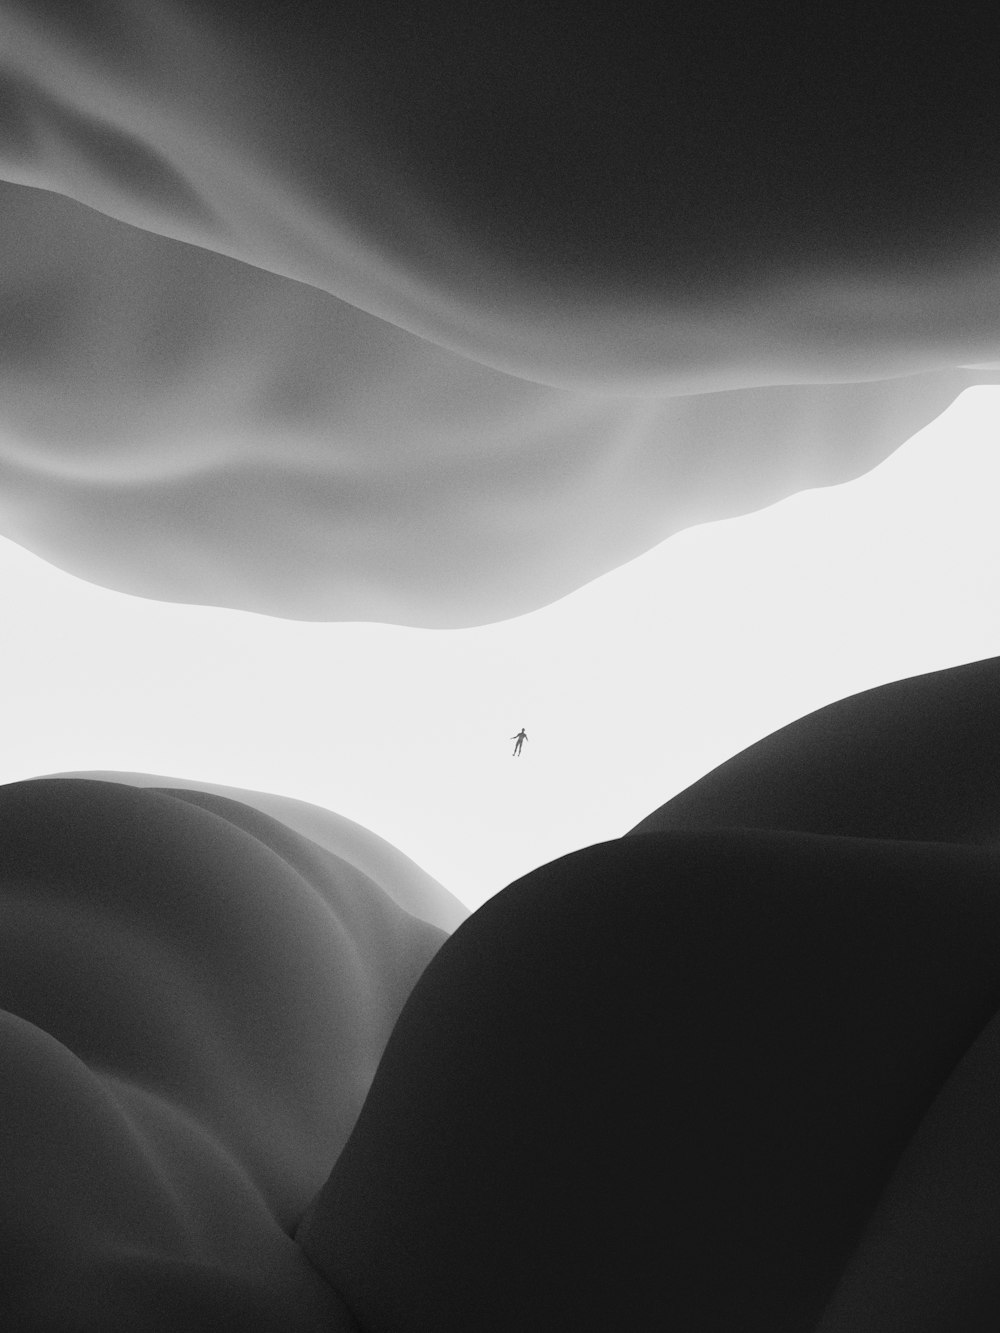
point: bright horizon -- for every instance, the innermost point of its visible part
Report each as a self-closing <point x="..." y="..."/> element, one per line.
<point x="629" y="689"/>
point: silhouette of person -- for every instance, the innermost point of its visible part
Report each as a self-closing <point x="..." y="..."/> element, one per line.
<point x="521" y="737"/>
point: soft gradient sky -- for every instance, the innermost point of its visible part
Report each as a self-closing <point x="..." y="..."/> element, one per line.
<point x="629" y="689"/>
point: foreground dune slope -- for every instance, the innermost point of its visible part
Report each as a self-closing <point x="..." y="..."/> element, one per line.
<point x="332" y="313"/>
<point x="403" y="880"/>
<point x="708" y="1077"/>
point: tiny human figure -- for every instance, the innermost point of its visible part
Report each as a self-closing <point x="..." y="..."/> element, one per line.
<point x="521" y="737"/>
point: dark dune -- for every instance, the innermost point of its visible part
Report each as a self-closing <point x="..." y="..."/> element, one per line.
<point x="710" y="1078"/>
<point x="300" y="304"/>
<point x="194" y="1000"/>
<point x="729" y="1075"/>
<point x="917" y="758"/>
<point x="665" y="1082"/>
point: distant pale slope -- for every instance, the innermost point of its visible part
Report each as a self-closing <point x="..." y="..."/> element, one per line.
<point x="330" y="312"/>
<point x="402" y="879"/>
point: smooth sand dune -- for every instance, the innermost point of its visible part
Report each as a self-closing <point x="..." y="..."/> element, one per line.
<point x="665" y="1081"/>
<point x="332" y="313"/>
<point x="709" y="1078"/>
<point x="395" y="874"/>
<point x="915" y="759"/>
<point x="194" y="1000"/>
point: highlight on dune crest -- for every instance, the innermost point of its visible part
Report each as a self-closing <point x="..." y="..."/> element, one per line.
<point x="331" y="313"/>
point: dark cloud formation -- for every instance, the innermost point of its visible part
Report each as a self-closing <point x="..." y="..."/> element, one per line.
<point x="333" y="313"/>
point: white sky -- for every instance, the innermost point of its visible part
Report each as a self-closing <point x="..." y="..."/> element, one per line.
<point x="629" y="689"/>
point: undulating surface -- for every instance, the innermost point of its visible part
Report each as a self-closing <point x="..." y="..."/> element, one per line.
<point x="194" y="999"/>
<point x="711" y="1077"/>
<point x="395" y="874"/>
<point x="330" y="312"/>
<point x="734" y="1071"/>
<point x="918" y="759"/>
